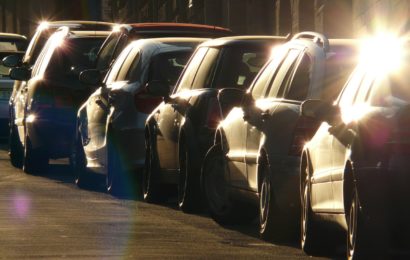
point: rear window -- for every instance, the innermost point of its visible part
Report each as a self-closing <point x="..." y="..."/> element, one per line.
<point x="73" y="56"/>
<point x="12" y="45"/>
<point x="239" y="65"/>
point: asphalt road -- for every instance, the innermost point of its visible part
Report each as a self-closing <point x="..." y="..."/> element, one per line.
<point x="47" y="216"/>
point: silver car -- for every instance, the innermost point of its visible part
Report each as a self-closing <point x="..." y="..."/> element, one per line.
<point x="111" y="122"/>
<point x="9" y="44"/>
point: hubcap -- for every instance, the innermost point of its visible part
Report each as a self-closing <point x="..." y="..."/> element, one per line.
<point x="264" y="200"/>
<point x="352" y="229"/>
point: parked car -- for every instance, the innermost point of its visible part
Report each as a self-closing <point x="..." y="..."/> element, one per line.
<point x="45" y="112"/>
<point x="254" y="162"/>
<point x="9" y="44"/>
<point x="110" y="128"/>
<point x="37" y="42"/>
<point x="123" y="34"/>
<point x="354" y="170"/>
<point x="181" y="129"/>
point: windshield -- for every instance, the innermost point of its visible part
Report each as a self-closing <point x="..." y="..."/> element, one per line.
<point x="13" y="45"/>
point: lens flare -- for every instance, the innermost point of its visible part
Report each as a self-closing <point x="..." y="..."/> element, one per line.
<point x="43" y="26"/>
<point x="383" y="53"/>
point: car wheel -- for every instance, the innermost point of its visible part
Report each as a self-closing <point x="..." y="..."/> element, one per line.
<point x="78" y="164"/>
<point x="216" y="194"/>
<point x="151" y="184"/>
<point x="115" y="170"/>
<point x="188" y="183"/>
<point x="310" y="233"/>
<point x="34" y="161"/>
<point x="16" y="151"/>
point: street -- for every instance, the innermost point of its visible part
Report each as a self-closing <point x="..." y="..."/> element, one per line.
<point x="47" y="216"/>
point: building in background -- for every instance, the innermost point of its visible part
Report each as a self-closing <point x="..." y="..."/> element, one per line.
<point x="335" y="18"/>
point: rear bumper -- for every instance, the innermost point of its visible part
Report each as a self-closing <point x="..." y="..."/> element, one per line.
<point x="54" y="137"/>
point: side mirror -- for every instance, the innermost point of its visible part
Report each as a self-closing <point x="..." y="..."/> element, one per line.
<point x="229" y="98"/>
<point x="11" y="61"/>
<point x="91" y="77"/>
<point x="20" y="73"/>
<point x="158" y="88"/>
<point x="320" y="110"/>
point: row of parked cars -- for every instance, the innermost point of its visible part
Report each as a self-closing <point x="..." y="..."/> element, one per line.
<point x="245" y="126"/>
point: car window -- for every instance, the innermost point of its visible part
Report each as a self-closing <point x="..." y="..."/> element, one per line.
<point x="168" y="66"/>
<point x="188" y="75"/>
<point x="348" y="94"/>
<point x="264" y="78"/>
<point x="390" y="91"/>
<point x="239" y="65"/>
<point x="205" y="72"/>
<point x="284" y="69"/>
<point x="36" y="45"/>
<point x="133" y="57"/>
<point x="300" y="82"/>
<point x="12" y="45"/>
<point x="122" y="43"/>
<point x="115" y="69"/>
<point x="73" y="56"/>
<point x="105" y="54"/>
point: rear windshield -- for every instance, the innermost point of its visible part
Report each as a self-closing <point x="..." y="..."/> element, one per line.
<point x="239" y="65"/>
<point x="74" y="56"/>
<point x="12" y="45"/>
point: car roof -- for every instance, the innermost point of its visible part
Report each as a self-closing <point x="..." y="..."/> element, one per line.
<point x="79" y="34"/>
<point x="240" y="40"/>
<point x="12" y="36"/>
<point x="81" y="25"/>
<point x="181" y="28"/>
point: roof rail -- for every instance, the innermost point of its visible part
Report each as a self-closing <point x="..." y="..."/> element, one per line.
<point x="64" y="29"/>
<point x="317" y="38"/>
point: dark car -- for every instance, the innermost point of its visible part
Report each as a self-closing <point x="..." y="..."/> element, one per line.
<point x="355" y="170"/>
<point x="111" y="121"/>
<point x="255" y="160"/>
<point x="37" y="42"/>
<point x="181" y="129"/>
<point x="45" y="112"/>
<point x="123" y="34"/>
<point x="10" y="44"/>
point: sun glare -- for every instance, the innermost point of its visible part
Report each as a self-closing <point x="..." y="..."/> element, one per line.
<point x="383" y="53"/>
<point x="43" y="25"/>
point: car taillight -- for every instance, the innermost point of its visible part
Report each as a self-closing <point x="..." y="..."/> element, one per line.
<point x="214" y="114"/>
<point x="304" y="130"/>
<point x="144" y="102"/>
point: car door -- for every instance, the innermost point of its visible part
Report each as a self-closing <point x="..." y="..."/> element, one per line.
<point x="98" y="109"/>
<point x="351" y="104"/>
<point x="262" y="122"/>
<point x="168" y="114"/>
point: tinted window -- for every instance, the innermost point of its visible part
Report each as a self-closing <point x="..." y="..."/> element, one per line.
<point x="105" y="55"/>
<point x="283" y="71"/>
<point x="191" y="70"/>
<point x="349" y="92"/>
<point x="390" y="91"/>
<point x="265" y="76"/>
<point x="73" y="56"/>
<point x="168" y="66"/>
<point x="204" y="74"/>
<point x="239" y="65"/>
<point x="116" y="67"/>
<point x="299" y="86"/>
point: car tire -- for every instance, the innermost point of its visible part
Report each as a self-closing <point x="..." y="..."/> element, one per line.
<point x="35" y="161"/>
<point x="152" y="190"/>
<point x="115" y="169"/>
<point x="78" y="165"/>
<point x="311" y="237"/>
<point x="16" y="151"/>
<point x="216" y="193"/>
<point x="189" y="199"/>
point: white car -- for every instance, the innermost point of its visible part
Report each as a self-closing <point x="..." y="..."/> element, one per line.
<point x="110" y="138"/>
